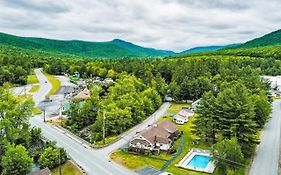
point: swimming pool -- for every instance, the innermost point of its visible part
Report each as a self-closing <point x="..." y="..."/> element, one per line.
<point x="199" y="161"/>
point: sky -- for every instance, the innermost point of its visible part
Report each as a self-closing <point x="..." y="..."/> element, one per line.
<point x="164" y="24"/>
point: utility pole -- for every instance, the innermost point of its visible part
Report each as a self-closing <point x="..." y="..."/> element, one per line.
<point x="60" y="160"/>
<point x="44" y="119"/>
<point x="103" y="127"/>
<point x="60" y="110"/>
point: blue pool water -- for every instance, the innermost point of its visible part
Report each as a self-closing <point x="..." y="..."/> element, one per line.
<point x="199" y="161"/>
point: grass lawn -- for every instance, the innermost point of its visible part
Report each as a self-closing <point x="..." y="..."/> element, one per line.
<point x="176" y="107"/>
<point x="34" y="88"/>
<point x="135" y="161"/>
<point x="108" y="141"/>
<point x="36" y="111"/>
<point x="68" y="169"/>
<point x="55" y="84"/>
<point x="32" y="79"/>
<point x="24" y="97"/>
<point x="189" y="137"/>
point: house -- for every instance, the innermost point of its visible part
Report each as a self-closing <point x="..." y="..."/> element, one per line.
<point x="84" y="95"/>
<point x="107" y="81"/>
<point x="183" y="115"/>
<point x="195" y="104"/>
<point x="156" y="137"/>
<point x="179" y="119"/>
<point x="45" y="171"/>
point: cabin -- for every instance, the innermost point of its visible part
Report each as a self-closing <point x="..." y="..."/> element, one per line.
<point x="195" y="104"/>
<point x="45" y="171"/>
<point x="183" y="116"/>
<point x="84" y="95"/>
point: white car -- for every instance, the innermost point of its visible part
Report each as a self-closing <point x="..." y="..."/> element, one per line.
<point x="166" y="173"/>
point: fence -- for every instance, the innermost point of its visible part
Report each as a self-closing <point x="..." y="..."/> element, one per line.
<point x="180" y="149"/>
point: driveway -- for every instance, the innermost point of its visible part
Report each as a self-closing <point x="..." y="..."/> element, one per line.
<point x="267" y="156"/>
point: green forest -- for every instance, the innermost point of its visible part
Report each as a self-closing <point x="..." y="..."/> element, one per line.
<point x="235" y="101"/>
<point x="110" y="49"/>
<point x="21" y="145"/>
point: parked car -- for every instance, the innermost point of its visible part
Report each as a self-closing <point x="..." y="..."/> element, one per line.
<point x="166" y="173"/>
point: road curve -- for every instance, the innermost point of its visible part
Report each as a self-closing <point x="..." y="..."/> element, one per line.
<point x="266" y="160"/>
<point x="45" y="87"/>
<point x="91" y="160"/>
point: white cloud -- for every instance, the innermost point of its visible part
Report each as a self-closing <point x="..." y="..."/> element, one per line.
<point x="163" y="24"/>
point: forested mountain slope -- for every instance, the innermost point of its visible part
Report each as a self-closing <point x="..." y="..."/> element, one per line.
<point x="273" y="38"/>
<point x="111" y="49"/>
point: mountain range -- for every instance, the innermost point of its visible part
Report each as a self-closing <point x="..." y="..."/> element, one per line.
<point x="206" y="48"/>
<point x="111" y="49"/>
<point x="273" y="38"/>
<point x="119" y="48"/>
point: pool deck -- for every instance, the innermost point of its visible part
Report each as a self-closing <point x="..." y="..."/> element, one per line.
<point x="189" y="156"/>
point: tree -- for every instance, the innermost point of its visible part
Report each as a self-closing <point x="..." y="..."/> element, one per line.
<point x="207" y="123"/>
<point x="16" y="161"/>
<point x="158" y="83"/>
<point x="14" y="115"/>
<point x="236" y="112"/>
<point x="228" y="155"/>
<point x="52" y="157"/>
<point x="262" y="108"/>
<point x="36" y="136"/>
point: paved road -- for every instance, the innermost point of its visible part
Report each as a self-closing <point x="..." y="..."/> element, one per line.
<point x="95" y="162"/>
<point x="267" y="156"/>
<point x="91" y="160"/>
<point x="129" y="135"/>
<point x="45" y="87"/>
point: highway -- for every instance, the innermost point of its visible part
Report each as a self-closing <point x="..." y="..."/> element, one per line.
<point x="266" y="160"/>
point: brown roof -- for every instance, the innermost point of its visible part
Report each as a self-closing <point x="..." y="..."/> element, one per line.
<point x="185" y="112"/>
<point x="45" y="171"/>
<point x="169" y="126"/>
<point x="143" y="142"/>
<point x="159" y="133"/>
<point x="85" y="94"/>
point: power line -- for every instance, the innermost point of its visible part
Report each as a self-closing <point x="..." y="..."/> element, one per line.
<point x="231" y="161"/>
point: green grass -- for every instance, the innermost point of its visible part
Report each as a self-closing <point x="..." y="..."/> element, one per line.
<point x="132" y="161"/>
<point x="108" y="141"/>
<point x="68" y="168"/>
<point x="176" y="107"/>
<point x="24" y="97"/>
<point x="36" y="111"/>
<point x="55" y="84"/>
<point x="34" y="88"/>
<point x="189" y="137"/>
<point x="32" y="79"/>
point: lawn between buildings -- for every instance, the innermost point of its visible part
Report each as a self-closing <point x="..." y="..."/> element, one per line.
<point x="68" y="168"/>
<point x="133" y="161"/>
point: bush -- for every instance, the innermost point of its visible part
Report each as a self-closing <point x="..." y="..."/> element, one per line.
<point x="52" y="157"/>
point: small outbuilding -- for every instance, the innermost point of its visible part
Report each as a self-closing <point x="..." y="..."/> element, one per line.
<point x="45" y="171"/>
<point x="84" y="95"/>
